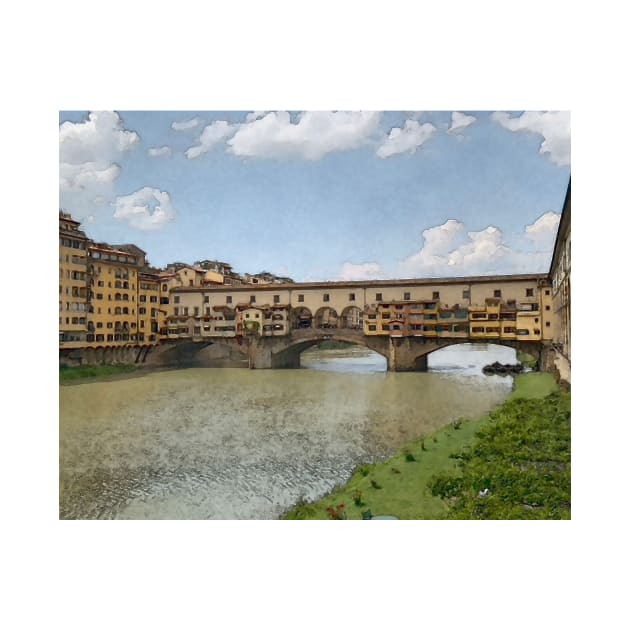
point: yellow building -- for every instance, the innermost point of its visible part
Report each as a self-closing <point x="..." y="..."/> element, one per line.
<point x="73" y="290"/>
<point x="113" y="316"/>
<point x="151" y="307"/>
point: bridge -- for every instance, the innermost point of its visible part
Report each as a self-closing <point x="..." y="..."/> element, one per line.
<point x="268" y="326"/>
<point x="403" y="354"/>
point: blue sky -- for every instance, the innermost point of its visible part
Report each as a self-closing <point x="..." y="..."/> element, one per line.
<point x="322" y="195"/>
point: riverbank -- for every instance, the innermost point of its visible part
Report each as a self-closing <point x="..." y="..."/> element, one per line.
<point x="400" y="486"/>
<point x="104" y="373"/>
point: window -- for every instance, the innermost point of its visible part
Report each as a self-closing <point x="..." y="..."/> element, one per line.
<point x="206" y="299"/>
<point x="379" y="297"/>
<point x="372" y="327"/>
<point x="190" y="283"/>
<point x="436" y="295"/>
<point x="99" y="324"/>
<point x="176" y="310"/>
<point x="351" y="297"/>
<point x="407" y="296"/>
<point x="185" y="310"/>
<point x="207" y="311"/>
<point x="164" y="287"/>
<point x="143" y="298"/>
<point x="547" y="324"/>
<point x="301" y="297"/>
<point x="547" y="308"/>
<point x="196" y="311"/>
<point x="228" y="299"/>
<point x="142" y="311"/>
<point x="153" y="299"/>
<point x="497" y="293"/>
<point x="110" y="325"/>
<point x="466" y="294"/>
<point x="529" y="292"/>
<point x="175" y="299"/>
<point x="546" y="291"/>
<point x="276" y="299"/>
<point x="535" y="320"/>
<point x="326" y="297"/>
<point x="252" y="298"/>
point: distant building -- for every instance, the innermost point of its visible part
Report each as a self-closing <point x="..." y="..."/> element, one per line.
<point x="264" y="277"/>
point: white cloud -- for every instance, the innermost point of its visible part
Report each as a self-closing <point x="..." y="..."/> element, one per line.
<point x="185" y="125"/>
<point x="365" y="271"/>
<point x="211" y="136"/>
<point x="252" y="116"/>
<point x="449" y="250"/>
<point x="543" y="230"/>
<point x="159" y="151"/>
<point x="406" y="139"/>
<point x="554" y="127"/>
<point x="89" y="149"/>
<point x="146" y="209"/>
<point x="460" y="121"/>
<point x="87" y="176"/>
<point x="311" y="137"/>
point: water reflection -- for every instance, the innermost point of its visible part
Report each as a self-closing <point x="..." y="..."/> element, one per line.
<point x="355" y="359"/>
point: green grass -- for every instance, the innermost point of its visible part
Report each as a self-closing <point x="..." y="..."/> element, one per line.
<point x="521" y="460"/>
<point x="527" y="359"/>
<point x="534" y="385"/>
<point x="404" y="480"/>
<point x="95" y="371"/>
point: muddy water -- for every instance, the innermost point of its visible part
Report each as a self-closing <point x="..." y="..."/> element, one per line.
<point x="222" y="443"/>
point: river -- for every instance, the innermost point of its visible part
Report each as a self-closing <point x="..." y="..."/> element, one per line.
<point x="231" y="443"/>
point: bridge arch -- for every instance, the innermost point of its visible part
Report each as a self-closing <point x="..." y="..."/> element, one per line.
<point x="326" y="317"/>
<point x="411" y="354"/>
<point x="288" y="354"/>
<point x="352" y="318"/>
<point x="301" y="317"/>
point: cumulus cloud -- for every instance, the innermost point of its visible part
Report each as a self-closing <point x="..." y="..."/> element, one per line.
<point x="543" y="231"/>
<point x="460" y="121"/>
<point x="89" y="149"/>
<point x="159" y="151"/>
<point x="313" y="135"/>
<point x="365" y="271"/>
<point x="450" y="250"/>
<point x="89" y="175"/>
<point x="185" y="125"/>
<point x="211" y="136"/>
<point x="146" y="209"/>
<point x="252" y="116"/>
<point x="406" y="139"/>
<point x="554" y="127"/>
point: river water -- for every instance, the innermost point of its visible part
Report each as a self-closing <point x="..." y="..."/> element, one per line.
<point x="230" y="443"/>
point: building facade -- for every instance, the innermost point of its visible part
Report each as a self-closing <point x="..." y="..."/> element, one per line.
<point x="73" y="283"/>
<point x="560" y="274"/>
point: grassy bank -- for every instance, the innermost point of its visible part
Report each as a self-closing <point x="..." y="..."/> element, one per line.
<point x="527" y="360"/>
<point x="402" y="486"/>
<point x="95" y="371"/>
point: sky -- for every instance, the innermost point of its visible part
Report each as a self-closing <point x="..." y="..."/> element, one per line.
<point x="322" y="195"/>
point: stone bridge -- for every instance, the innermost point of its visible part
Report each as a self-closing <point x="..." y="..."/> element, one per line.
<point x="403" y="354"/>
